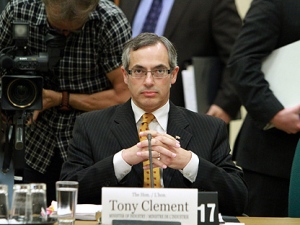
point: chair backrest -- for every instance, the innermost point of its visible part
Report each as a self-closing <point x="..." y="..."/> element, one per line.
<point x="294" y="191"/>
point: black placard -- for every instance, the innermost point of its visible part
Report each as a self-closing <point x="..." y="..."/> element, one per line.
<point x="208" y="208"/>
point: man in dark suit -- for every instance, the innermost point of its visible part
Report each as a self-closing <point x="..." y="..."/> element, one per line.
<point x="265" y="154"/>
<point x="197" y="28"/>
<point x="192" y="150"/>
<point x="2" y="4"/>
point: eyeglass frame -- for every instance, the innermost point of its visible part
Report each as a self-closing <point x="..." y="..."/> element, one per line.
<point x="145" y="72"/>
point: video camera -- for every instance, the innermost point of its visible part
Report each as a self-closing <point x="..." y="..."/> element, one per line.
<point x="22" y="83"/>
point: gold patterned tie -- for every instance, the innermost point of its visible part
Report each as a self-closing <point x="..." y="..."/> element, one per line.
<point x="146" y="119"/>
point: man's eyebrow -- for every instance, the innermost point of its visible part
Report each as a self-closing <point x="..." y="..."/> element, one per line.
<point x="160" y="66"/>
<point x="155" y="67"/>
<point x="138" y="67"/>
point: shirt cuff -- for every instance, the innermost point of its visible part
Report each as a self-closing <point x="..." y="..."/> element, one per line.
<point x="190" y="171"/>
<point x="121" y="167"/>
<point x="269" y="126"/>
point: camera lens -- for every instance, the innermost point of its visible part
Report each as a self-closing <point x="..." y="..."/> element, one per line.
<point x="22" y="93"/>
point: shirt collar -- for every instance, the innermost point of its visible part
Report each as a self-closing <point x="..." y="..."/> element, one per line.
<point x="161" y="114"/>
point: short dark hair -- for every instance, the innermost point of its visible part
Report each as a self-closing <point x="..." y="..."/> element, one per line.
<point x="75" y="10"/>
<point x="148" y="39"/>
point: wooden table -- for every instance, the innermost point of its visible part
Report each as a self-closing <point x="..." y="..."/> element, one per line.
<point x="246" y="220"/>
<point x="269" y="221"/>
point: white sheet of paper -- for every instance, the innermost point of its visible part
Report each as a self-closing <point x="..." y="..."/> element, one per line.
<point x="282" y="71"/>
<point x="189" y="89"/>
<point x="83" y="211"/>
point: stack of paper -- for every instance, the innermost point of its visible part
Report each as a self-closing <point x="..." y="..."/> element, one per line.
<point x="83" y="211"/>
<point x="282" y="71"/>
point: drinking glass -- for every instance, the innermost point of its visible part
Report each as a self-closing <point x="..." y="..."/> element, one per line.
<point x="3" y="203"/>
<point x="66" y="196"/>
<point x="20" y="209"/>
<point x="38" y="207"/>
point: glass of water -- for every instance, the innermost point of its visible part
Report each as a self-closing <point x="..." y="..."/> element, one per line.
<point x="38" y="202"/>
<point x="3" y="203"/>
<point x="21" y="201"/>
<point x="66" y="197"/>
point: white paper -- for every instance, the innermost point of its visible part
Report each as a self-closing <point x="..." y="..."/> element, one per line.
<point x="83" y="211"/>
<point x="282" y="71"/>
<point x="189" y="89"/>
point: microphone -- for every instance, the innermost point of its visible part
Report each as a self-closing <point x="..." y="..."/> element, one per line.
<point x="149" y="137"/>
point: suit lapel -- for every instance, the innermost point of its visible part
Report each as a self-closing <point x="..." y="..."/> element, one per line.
<point x="178" y="9"/>
<point x="125" y="128"/>
<point x="129" y="8"/>
<point x="125" y="131"/>
<point x="177" y="125"/>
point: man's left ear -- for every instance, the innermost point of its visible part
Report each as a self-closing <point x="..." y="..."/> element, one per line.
<point x="125" y="77"/>
<point x="174" y="74"/>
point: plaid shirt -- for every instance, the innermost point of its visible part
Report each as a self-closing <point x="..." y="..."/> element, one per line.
<point x="87" y="58"/>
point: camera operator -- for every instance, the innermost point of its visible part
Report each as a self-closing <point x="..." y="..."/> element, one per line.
<point x="87" y="76"/>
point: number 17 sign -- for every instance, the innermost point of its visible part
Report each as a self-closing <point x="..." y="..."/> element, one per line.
<point x="208" y="208"/>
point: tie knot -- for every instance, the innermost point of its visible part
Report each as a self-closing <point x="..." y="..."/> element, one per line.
<point x="147" y="117"/>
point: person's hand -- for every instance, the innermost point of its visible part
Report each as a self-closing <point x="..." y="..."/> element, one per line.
<point x="288" y="120"/>
<point x="31" y="119"/>
<point x="6" y="119"/>
<point x="131" y="157"/>
<point x="166" y="151"/>
<point x="3" y="118"/>
<point x="50" y="99"/>
<point x="139" y="152"/>
<point x="217" y="111"/>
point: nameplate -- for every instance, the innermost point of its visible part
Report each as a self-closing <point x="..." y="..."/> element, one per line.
<point x="208" y="208"/>
<point x="149" y="204"/>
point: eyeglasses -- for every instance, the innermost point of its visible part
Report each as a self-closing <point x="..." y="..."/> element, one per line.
<point x="142" y="73"/>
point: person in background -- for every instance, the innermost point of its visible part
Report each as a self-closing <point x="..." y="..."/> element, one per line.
<point x="2" y="4"/>
<point x="191" y="149"/>
<point x="87" y="77"/>
<point x="267" y="140"/>
<point x="197" y="28"/>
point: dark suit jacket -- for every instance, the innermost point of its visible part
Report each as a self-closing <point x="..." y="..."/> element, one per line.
<point x="2" y="4"/>
<point x="199" y="28"/>
<point x="269" y="24"/>
<point x="98" y="135"/>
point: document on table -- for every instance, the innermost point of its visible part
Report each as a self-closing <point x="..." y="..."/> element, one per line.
<point x="282" y="71"/>
<point x="83" y="211"/>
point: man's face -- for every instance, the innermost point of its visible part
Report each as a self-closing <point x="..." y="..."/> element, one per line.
<point x="150" y="93"/>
